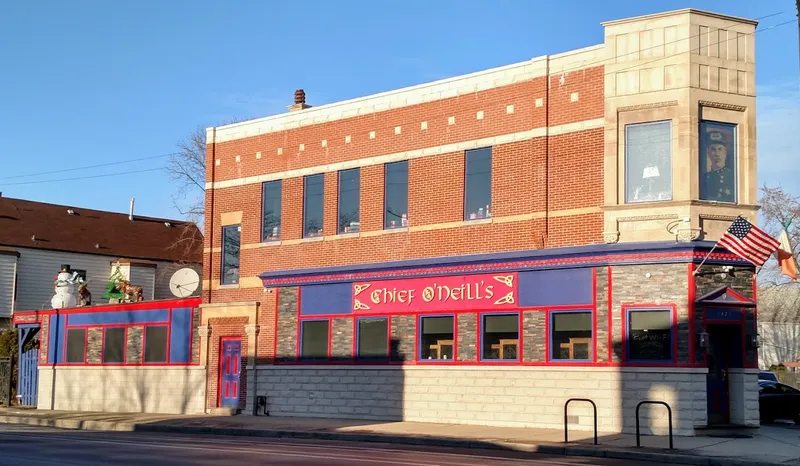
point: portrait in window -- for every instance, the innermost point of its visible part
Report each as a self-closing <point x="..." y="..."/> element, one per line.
<point x="648" y="162"/>
<point x="717" y="161"/>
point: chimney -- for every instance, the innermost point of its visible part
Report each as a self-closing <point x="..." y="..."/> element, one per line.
<point x="130" y="214"/>
<point x="299" y="101"/>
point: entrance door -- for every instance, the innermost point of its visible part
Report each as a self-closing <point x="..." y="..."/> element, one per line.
<point x="230" y="370"/>
<point x="724" y="353"/>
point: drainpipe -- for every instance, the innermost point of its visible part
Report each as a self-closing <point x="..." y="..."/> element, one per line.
<point x="547" y="153"/>
<point x="210" y="210"/>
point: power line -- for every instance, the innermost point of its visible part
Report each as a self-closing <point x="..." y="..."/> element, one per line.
<point x="108" y="164"/>
<point x="105" y="175"/>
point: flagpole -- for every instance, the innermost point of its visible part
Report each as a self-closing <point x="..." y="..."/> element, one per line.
<point x="704" y="259"/>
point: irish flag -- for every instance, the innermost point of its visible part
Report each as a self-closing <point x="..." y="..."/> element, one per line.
<point x="785" y="256"/>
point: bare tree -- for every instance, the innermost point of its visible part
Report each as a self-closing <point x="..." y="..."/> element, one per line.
<point x="779" y="209"/>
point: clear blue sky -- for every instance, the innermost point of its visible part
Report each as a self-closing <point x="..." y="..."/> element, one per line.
<point x="88" y="82"/>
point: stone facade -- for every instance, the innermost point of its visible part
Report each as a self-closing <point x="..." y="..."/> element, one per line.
<point x="342" y="338"/>
<point x="467" y="340"/>
<point x="507" y="396"/>
<point x="195" y="356"/>
<point x="403" y="342"/>
<point x="94" y="352"/>
<point x="533" y="329"/>
<point x="601" y="313"/>
<point x="134" y="345"/>
<point x="287" y="320"/>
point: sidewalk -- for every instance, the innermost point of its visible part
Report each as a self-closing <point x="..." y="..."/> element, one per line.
<point x="774" y="445"/>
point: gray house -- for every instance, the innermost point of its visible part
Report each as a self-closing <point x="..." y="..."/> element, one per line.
<point x="36" y="239"/>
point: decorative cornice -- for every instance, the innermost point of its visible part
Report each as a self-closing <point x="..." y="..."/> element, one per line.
<point x="610" y="237"/>
<point x="633" y="108"/>
<point x="723" y="106"/>
<point x="727" y="218"/>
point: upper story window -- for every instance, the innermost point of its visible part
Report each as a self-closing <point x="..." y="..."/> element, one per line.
<point x="271" y="211"/>
<point x="349" y="197"/>
<point x="478" y="184"/>
<point x="313" y="198"/>
<point x="231" y="245"/>
<point x="396" y="195"/>
<point x="717" y="161"/>
<point x="648" y="162"/>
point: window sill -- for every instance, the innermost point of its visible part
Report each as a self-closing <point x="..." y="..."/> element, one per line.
<point x="478" y="221"/>
<point x="342" y="236"/>
<point x="313" y="239"/>
<point x="228" y="287"/>
<point x="269" y="243"/>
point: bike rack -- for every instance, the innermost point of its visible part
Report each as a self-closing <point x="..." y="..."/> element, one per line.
<point x="669" y="413"/>
<point x="566" y="430"/>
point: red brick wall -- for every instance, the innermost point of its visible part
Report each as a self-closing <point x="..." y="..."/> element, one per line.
<point x="572" y="162"/>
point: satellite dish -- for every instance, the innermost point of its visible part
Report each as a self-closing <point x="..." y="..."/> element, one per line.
<point x="184" y="282"/>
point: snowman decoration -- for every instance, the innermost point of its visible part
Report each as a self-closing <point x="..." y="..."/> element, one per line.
<point x="66" y="289"/>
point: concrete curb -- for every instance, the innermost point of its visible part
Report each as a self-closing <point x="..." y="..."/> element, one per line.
<point x="639" y="454"/>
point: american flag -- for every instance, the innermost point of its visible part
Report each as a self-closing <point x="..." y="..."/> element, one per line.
<point x="748" y="241"/>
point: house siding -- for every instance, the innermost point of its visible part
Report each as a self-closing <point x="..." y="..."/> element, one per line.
<point x="145" y="277"/>
<point x="8" y="270"/>
<point x="38" y="268"/>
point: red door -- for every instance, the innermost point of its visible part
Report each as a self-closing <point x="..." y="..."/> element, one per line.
<point x="230" y="371"/>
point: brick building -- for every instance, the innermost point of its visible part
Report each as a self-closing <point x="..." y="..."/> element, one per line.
<point x="481" y="248"/>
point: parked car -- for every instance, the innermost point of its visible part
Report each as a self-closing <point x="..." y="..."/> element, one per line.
<point x="768" y="375"/>
<point x="778" y="401"/>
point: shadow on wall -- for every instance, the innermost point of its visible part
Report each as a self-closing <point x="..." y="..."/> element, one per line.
<point x="163" y="390"/>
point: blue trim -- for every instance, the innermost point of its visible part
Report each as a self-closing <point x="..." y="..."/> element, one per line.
<point x="388" y="338"/>
<point x="160" y="316"/>
<point x="55" y="353"/>
<point x="572" y="252"/>
<point x="300" y="343"/>
<point x="419" y="339"/>
<point x="179" y="335"/>
<point x="481" y="337"/>
<point x="551" y="329"/>
<point x="671" y="311"/>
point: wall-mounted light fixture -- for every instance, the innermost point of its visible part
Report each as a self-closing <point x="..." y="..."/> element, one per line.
<point x="754" y="342"/>
<point x="703" y="339"/>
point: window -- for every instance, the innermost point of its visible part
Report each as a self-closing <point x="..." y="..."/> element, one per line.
<point x="500" y="336"/>
<point x="717" y="161"/>
<point x="313" y="197"/>
<point x="271" y="211"/>
<point x="478" y="184"/>
<point x="571" y="335"/>
<point x="436" y="337"/>
<point x="648" y="162"/>
<point x="396" y="195"/>
<point x="155" y="344"/>
<point x="231" y="244"/>
<point x="373" y="338"/>
<point x="650" y="335"/>
<point x="349" y="197"/>
<point x="314" y="339"/>
<point x="80" y="273"/>
<point x="76" y="345"/>
<point x="114" y="345"/>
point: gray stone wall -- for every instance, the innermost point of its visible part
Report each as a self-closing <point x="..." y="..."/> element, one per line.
<point x="711" y="277"/>
<point x="94" y="353"/>
<point x="533" y="331"/>
<point x="196" y="336"/>
<point x="404" y="339"/>
<point x="666" y="284"/>
<point x="342" y="338"/>
<point x="134" y="347"/>
<point x="601" y="316"/>
<point x="287" y="324"/>
<point x="467" y="337"/>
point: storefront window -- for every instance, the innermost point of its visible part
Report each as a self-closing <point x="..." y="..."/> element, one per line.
<point x="648" y="162"/>
<point x="500" y="336"/>
<point x="114" y="345"/>
<point x="717" y="161"/>
<point x="76" y="345"/>
<point x="436" y="338"/>
<point x="396" y="195"/>
<point x="650" y="335"/>
<point x="478" y="184"/>
<point x="373" y="338"/>
<point x="349" y="197"/>
<point x="571" y="335"/>
<point x="155" y="344"/>
<point x="314" y="339"/>
<point x="313" y="199"/>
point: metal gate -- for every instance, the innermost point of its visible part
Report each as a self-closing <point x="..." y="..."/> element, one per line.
<point x="28" y="376"/>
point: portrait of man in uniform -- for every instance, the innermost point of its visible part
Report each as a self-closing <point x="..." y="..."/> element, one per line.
<point x="717" y="162"/>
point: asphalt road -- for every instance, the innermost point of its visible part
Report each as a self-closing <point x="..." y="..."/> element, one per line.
<point x="35" y="446"/>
